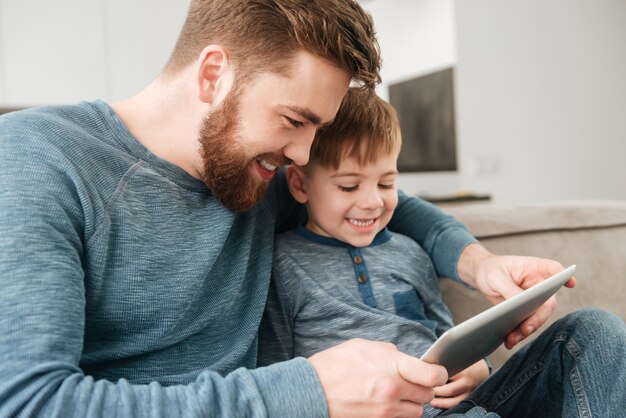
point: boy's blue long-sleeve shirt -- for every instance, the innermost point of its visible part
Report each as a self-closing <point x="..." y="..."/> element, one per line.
<point x="127" y="290"/>
<point x="324" y="292"/>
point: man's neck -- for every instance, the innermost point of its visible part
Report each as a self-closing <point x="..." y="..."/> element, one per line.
<point x="164" y="118"/>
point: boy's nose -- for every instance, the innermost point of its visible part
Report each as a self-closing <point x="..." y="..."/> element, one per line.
<point x="372" y="199"/>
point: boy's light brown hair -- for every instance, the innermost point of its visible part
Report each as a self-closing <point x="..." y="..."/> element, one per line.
<point x="365" y="127"/>
<point x="262" y="35"/>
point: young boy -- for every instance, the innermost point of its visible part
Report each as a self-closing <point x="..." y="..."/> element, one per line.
<point x="343" y="274"/>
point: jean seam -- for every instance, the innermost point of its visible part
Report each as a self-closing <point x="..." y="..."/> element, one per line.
<point x="582" y="402"/>
<point x="521" y="381"/>
<point x="528" y="374"/>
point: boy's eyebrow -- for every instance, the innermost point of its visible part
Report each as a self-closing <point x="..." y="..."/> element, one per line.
<point x="346" y="175"/>
<point x="309" y="115"/>
<point x="357" y="174"/>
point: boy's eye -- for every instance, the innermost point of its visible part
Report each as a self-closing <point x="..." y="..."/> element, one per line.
<point x="387" y="186"/>
<point x="347" y="188"/>
<point x="295" y="123"/>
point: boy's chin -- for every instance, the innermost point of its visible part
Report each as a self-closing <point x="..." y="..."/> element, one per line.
<point x="361" y="241"/>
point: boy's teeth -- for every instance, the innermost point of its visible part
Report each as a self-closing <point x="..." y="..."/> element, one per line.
<point x="361" y="222"/>
<point x="267" y="165"/>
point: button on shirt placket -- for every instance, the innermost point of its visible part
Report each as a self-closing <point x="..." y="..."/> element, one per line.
<point x="362" y="277"/>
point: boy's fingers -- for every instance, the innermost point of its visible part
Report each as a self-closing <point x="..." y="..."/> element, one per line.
<point x="447" y="403"/>
<point x="450" y="389"/>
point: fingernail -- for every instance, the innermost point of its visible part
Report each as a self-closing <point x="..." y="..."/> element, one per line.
<point x="530" y="329"/>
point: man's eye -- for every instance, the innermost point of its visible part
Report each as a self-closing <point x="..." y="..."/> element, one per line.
<point x="347" y="188"/>
<point x="295" y="123"/>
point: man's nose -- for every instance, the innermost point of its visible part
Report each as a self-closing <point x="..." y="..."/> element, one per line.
<point x="299" y="149"/>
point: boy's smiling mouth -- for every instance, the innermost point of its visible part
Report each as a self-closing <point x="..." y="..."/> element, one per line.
<point x="362" y="222"/>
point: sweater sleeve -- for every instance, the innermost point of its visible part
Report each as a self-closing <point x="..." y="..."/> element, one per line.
<point x="42" y="320"/>
<point x="442" y="236"/>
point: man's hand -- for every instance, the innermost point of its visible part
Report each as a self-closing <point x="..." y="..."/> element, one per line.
<point x="373" y="379"/>
<point x="460" y="386"/>
<point x="501" y="277"/>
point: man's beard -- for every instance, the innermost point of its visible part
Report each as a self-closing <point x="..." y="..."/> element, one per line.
<point x="227" y="168"/>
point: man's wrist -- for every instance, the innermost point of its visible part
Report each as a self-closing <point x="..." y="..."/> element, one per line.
<point x="469" y="261"/>
<point x="291" y="388"/>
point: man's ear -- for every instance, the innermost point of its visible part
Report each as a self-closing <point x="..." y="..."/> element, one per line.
<point x="295" y="181"/>
<point x="214" y="74"/>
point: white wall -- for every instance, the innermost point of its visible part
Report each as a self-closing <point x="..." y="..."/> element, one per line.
<point x="1" y="57"/>
<point x="541" y="98"/>
<point x="70" y="50"/>
<point x="144" y="33"/>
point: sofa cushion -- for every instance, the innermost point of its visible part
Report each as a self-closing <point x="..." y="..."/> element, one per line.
<point x="492" y="221"/>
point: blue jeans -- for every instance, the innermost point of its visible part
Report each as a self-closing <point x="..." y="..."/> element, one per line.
<point x="575" y="368"/>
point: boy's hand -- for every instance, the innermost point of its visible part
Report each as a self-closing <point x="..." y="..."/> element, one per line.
<point x="460" y="386"/>
<point x="363" y="378"/>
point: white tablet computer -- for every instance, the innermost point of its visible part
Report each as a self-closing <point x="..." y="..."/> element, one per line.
<point x="473" y="339"/>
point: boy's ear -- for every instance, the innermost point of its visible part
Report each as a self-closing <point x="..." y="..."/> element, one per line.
<point x="214" y="75"/>
<point x="295" y="181"/>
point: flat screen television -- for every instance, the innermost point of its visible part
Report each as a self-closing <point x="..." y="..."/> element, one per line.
<point x="425" y="107"/>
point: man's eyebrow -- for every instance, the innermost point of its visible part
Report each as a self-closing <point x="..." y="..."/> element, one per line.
<point x="309" y="115"/>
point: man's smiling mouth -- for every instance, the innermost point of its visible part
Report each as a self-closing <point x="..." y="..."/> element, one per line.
<point x="266" y="165"/>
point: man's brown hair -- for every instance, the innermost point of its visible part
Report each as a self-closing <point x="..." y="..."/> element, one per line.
<point x="365" y="127"/>
<point x="261" y="35"/>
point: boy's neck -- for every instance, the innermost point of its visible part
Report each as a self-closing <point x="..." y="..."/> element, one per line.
<point x="309" y="233"/>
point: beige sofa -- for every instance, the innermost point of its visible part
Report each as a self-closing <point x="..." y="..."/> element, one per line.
<point x="590" y="234"/>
